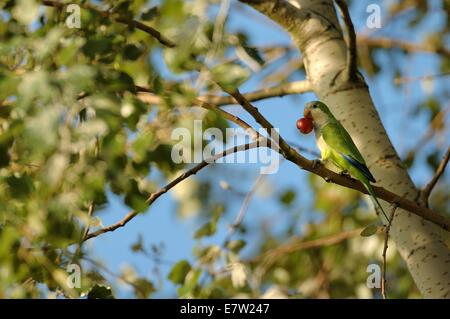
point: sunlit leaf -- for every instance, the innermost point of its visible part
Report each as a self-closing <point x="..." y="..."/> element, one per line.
<point x="179" y="271"/>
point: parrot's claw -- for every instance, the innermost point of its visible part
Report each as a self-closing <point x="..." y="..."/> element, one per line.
<point x="316" y="163"/>
<point x="345" y="174"/>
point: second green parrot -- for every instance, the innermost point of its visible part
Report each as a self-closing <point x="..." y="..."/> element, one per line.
<point x="337" y="146"/>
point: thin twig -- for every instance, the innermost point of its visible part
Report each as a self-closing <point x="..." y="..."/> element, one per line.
<point x="99" y="265"/>
<point x="385" y="248"/>
<point x="303" y="149"/>
<point x="435" y="122"/>
<point x="352" y="57"/>
<point x="426" y="191"/>
<point x="124" y="20"/>
<point x="403" y="80"/>
<point x="88" y="226"/>
<point x="233" y="118"/>
<point x="296" y="87"/>
<point x="298" y="244"/>
<point x="254" y="112"/>
<point x="217" y="36"/>
<point x="92" y="204"/>
<point x="387" y="43"/>
<point x="240" y="216"/>
<point x="282" y="73"/>
<point x="154" y="196"/>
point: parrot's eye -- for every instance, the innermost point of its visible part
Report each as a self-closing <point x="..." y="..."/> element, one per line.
<point x="314" y="106"/>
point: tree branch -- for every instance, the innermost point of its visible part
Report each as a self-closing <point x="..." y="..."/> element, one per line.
<point x="296" y="87"/>
<point x="387" y="43"/>
<point x="385" y="248"/>
<point x="124" y="20"/>
<point x="233" y="118"/>
<point x="259" y="141"/>
<point x="253" y="111"/>
<point x="292" y="155"/>
<point x="426" y="191"/>
<point x="154" y="196"/>
<point x="243" y="210"/>
<point x="288" y="16"/>
<point x="404" y="80"/>
<point x="88" y="226"/>
<point x="99" y="265"/>
<point x="298" y="244"/>
<point x="352" y="57"/>
<point x="431" y="129"/>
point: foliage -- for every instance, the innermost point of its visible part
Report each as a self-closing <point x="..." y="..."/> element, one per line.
<point x="74" y="133"/>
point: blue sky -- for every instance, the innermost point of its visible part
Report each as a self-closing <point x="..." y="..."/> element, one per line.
<point x="161" y="223"/>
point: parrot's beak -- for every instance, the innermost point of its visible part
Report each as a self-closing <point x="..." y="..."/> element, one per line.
<point x="307" y="113"/>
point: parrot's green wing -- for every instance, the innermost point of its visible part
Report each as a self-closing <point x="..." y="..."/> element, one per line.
<point x="337" y="138"/>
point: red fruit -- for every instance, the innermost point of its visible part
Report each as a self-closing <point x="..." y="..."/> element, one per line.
<point x="305" y="125"/>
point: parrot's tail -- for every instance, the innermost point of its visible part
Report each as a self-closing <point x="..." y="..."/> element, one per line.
<point x="375" y="200"/>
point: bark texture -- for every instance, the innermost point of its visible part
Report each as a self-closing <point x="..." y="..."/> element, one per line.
<point x="314" y="27"/>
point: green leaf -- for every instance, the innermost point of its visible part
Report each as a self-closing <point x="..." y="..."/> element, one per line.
<point x="142" y="145"/>
<point x="287" y="197"/>
<point x="191" y="282"/>
<point x="4" y="155"/>
<point x="122" y="8"/>
<point x="236" y="245"/>
<point x="173" y="10"/>
<point x="100" y="292"/>
<point x="207" y="229"/>
<point x="92" y="47"/>
<point x="25" y="11"/>
<point x="143" y="287"/>
<point x="230" y="75"/>
<point x="8" y="86"/>
<point x="210" y="227"/>
<point x="254" y="54"/>
<point x="20" y="186"/>
<point x="138" y="245"/>
<point x="433" y="159"/>
<point x="369" y="230"/>
<point x="179" y="272"/>
<point x="180" y="59"/>
<point x="135" y="198"/>
<point x="120" y="81"/>
<point x="132" y="52"/>
<point x="445" y="64"/>
<point x="150" y="13"/>
<point x="156" y="83"/>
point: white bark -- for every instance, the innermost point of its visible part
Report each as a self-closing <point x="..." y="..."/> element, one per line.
<point x="315" y="29"/>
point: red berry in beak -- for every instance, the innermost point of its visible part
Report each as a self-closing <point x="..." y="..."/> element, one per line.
<point x="305" y="125"/>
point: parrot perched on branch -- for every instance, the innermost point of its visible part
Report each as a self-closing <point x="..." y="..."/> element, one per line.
<point x="337" y="146"/>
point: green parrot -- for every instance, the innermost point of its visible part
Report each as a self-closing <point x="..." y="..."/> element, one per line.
<point x="337" y="146"/>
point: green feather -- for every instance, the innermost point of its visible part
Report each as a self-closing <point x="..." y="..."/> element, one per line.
<point x="337" y="146"/>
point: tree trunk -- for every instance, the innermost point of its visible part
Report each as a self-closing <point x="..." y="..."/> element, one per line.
<point x="315" y="29"/>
